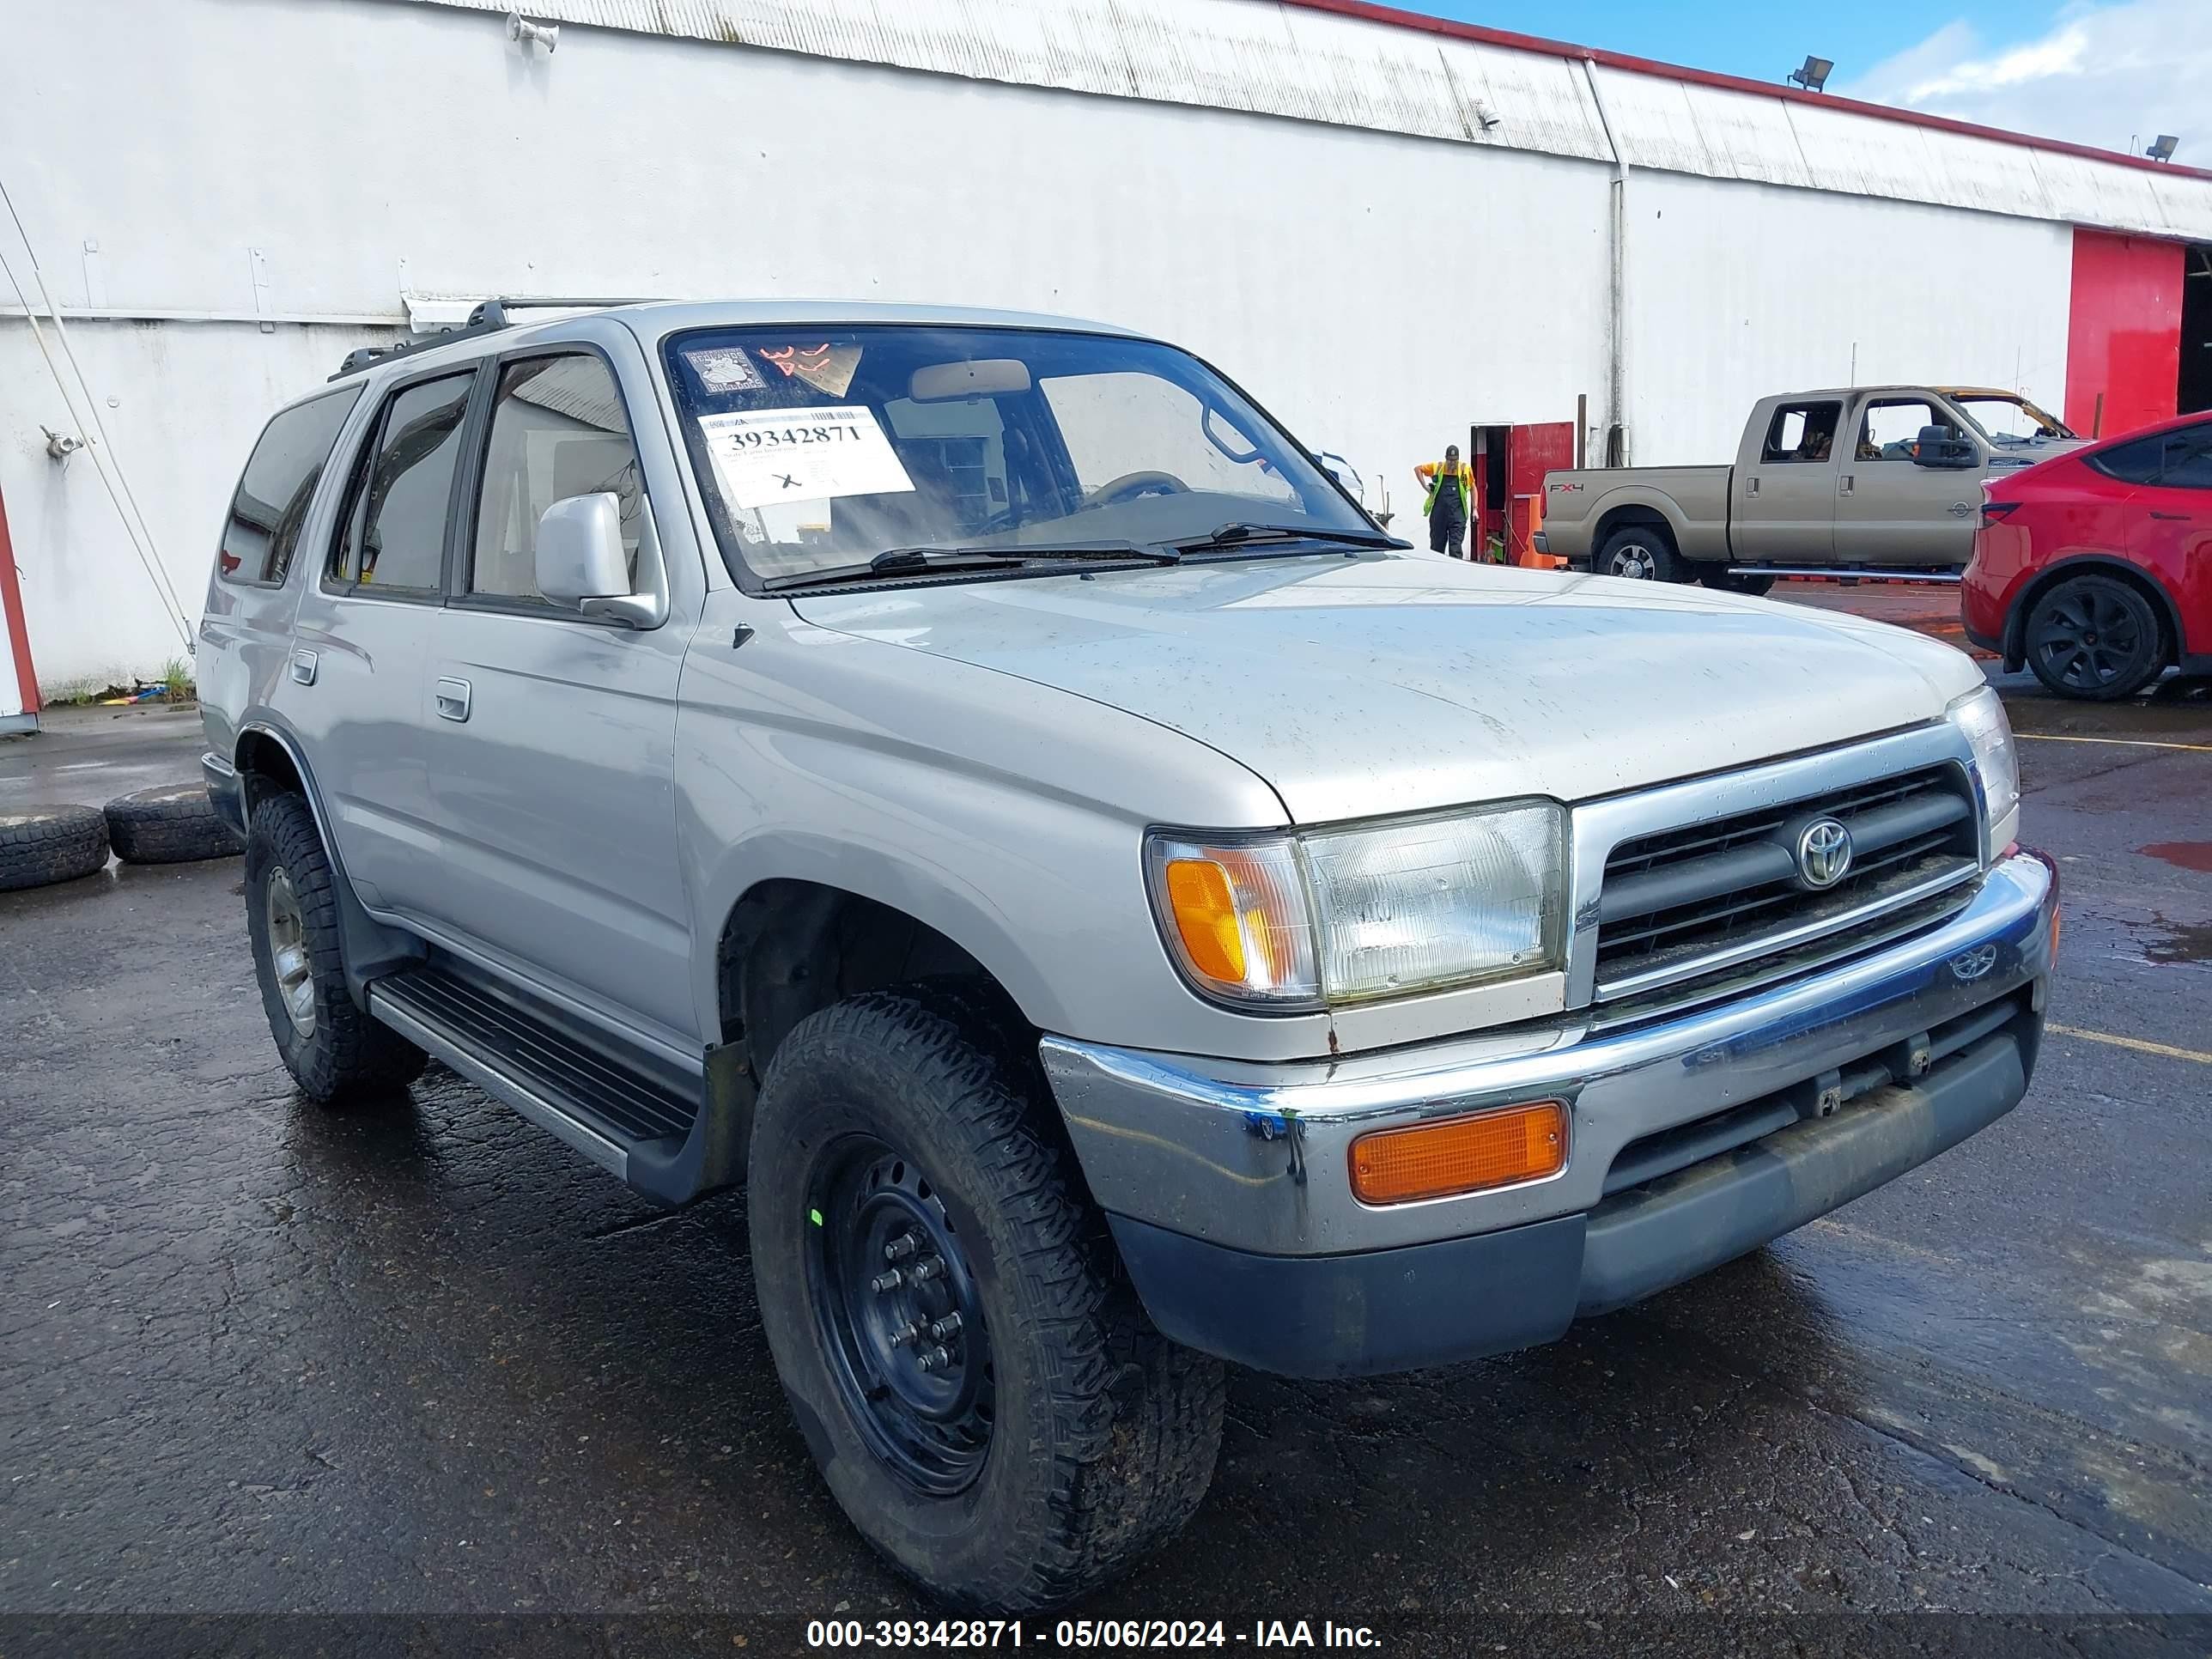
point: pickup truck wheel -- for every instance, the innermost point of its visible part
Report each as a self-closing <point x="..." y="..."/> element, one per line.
<point x="334" y="1051"/>
<point x="968" y="1366"/>
<point x="2094" y="637"/>
<point x="1641" y="552"/>
<point x="1722" y="580"/>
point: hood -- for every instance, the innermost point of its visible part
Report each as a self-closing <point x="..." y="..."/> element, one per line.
<point x="1388" y="682"/>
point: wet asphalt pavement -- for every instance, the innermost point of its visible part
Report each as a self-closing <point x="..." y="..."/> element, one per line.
<point x="257" y="1358"/>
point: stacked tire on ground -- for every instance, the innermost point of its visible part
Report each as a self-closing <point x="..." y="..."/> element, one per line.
<point x="40" y="845"/>
<point x="173" y="824"/>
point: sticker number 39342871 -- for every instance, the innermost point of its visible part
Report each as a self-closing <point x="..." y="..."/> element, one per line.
<point x="767" y="455"/>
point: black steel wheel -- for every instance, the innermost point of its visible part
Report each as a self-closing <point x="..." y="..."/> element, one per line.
<point x="2096" y="638"/>
<point x="899" y="1316"/>
<point x="969" y="1363"/>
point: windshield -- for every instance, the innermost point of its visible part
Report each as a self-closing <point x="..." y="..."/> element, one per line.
<point x="2010" y="420"/>
<point x="821" y="448"/>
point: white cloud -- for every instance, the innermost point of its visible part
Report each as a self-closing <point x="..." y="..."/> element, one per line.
<point x="2100" y="73"/>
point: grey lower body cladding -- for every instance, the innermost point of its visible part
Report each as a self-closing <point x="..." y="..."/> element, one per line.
<point x="1248" y="1243"/>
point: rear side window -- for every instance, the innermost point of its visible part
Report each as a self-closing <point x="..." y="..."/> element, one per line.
<point x="395" y="530"/>
<point x="263" y="530"/>
<point x="2135" y="463"/>
<point x="2172" y="460"/>
<point x="1800" y="432"/>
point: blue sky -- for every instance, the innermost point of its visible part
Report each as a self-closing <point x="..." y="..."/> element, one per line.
<point x="2092" y="71"/>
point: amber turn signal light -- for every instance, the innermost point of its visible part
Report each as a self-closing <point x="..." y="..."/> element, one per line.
<point x="1461" y="1154"/>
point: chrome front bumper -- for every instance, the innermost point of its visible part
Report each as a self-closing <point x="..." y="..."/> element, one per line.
<point x="1254" y="1158"/>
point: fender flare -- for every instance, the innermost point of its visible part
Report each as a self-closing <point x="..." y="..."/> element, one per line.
<point x="2014" y="637"/>
<point x="367" y="950"/>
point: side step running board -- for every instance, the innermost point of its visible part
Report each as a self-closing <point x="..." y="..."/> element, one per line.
<point x="579" y="1091"/>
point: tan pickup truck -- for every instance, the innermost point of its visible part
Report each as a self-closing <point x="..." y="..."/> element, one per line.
<point x="1881" y="479"/>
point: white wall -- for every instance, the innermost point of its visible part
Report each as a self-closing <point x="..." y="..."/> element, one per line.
<point x="1378" y="291"/>
<point x="1739" y="291"/>
<point x="341" y="138"/>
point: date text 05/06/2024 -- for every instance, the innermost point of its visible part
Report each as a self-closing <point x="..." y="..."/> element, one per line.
<point x="1084" y="1635"/>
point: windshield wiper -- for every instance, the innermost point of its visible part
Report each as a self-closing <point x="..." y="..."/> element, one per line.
<point x="1236" y="535"/>
<point x="930" y="560"/>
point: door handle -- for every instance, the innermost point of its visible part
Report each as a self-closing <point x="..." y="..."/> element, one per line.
<point x="452" y="700"/>
<point x="304" y="664"/>
<point x="1750" y="488"/>
<point x="1843" y="484"/>
<point x="1959" y="509"/>
<point x="2178" y="518"/>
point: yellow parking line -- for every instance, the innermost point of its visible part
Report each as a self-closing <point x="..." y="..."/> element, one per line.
<point x="2135" y="1044"/>
<point x="2125" y="743"/>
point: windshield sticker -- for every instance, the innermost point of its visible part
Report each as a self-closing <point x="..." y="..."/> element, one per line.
<point x="825" y="367"/>
<point x="726" y="369"/>
<point x="765" y="456"/>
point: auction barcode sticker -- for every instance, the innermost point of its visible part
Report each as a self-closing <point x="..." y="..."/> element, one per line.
<point x="763" y="456"/>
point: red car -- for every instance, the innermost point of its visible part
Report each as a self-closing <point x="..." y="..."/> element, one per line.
<point x="2094" y="567"/>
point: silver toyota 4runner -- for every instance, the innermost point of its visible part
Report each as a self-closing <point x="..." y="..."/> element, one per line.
<point x="977" y="781"/>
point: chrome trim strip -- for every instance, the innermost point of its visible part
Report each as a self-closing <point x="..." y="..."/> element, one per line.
<point x="1596" y="828"/>
<point x="1805" y="932"/>
<point x="1833" y="574"/>
<point x="1254" y="1156"/>
<point x="497" y="1083"/>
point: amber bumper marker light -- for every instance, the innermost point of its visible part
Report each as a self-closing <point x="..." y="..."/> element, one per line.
<point x="1461" y="1154"/>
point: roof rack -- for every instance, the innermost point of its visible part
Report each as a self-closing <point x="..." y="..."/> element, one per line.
<point x="486" y="318"/>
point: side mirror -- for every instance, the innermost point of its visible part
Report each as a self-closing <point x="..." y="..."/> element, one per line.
<point x="1940" y="446"/>
<point x="580" y="559"/>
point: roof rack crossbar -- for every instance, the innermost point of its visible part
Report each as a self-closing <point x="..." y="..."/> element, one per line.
<point x="487" y="317"/>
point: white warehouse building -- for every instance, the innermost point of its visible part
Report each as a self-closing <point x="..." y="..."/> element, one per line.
<point x="1391" y="229"/>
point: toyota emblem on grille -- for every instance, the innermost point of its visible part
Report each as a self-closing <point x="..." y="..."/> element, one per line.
<point x="1970" y="965"/>
<point x="1823" y="852"/>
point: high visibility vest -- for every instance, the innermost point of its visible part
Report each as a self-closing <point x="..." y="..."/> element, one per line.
<point x="1465" y="476"/>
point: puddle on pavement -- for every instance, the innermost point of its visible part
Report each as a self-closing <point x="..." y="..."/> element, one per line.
<point x="2182" y="854"/>
<point x="2175" y="942"/>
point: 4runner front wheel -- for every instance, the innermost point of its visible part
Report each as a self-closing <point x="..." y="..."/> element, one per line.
<point x="332" y="1049"/>
<point x="970" y="1367"/>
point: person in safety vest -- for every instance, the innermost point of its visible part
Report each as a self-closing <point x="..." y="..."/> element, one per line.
<point x="1451" y="492"/>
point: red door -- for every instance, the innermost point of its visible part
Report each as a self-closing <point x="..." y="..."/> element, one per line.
<point x="2170" y="532"/>
<point x="1545" y="447"/>
<point x="2124" y="337"/>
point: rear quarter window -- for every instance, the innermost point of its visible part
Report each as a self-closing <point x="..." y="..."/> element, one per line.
<point x="262" y="531"/>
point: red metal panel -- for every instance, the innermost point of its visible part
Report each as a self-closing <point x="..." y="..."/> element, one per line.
<point x="2124" y="340"/>
<point x="1545" y="447"/>
<point x="13" y="626"/>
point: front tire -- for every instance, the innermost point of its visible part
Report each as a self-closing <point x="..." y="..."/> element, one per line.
<point x="970" y="1368"/>
<point x="1640" y="552"/>
<point x="2096" y="638"/>
<point x="334" y="1051"/>
<point x="1722" y="580"/>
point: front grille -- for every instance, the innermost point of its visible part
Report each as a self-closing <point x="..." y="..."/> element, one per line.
<point x="1724" y="898"/>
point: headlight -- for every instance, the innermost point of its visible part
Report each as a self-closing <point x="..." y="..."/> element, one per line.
<point x="1302" y="919"/>
<point x="1980" y="716"/>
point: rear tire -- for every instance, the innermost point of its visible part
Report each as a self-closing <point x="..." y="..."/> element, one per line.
<point x="2096" y="638"/>
<point x="172" y="825"/>
<point x="335" y="1052"/>
<point x="1722" y="580"/>
<point x="1056" y="1437"/>
<point x="41" y="845"/>
<point x="1640" y="552"/>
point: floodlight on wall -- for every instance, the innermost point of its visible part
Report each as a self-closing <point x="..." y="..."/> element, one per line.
<point x="526" y="34"/>
<point x="1814" y="75"/>
<point x="2163" y="149"/>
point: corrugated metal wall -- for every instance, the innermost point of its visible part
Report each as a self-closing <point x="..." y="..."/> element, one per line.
<point x="217" y="162"/>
